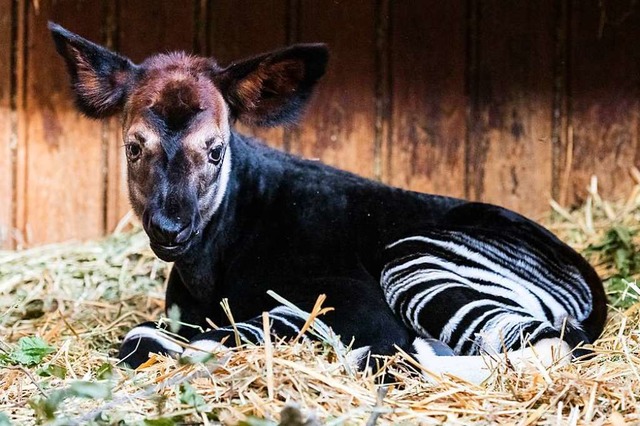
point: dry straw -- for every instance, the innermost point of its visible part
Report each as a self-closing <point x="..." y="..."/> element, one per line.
<point x="81" y="299"/>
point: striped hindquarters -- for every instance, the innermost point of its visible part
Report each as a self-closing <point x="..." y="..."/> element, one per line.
<point x="472" y="290"/>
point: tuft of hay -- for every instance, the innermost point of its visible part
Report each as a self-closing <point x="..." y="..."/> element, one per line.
<point x="80" y="299"/>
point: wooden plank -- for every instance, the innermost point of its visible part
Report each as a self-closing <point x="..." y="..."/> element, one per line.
<point x="244" y="28"/>
<point x="155" y="26"/>
<point x="604" y="87"/>
<point x="510" y="150"/>
<point x="142" y="28"/>
<point x="339" y="126"/>
<point x="426" y="150"/>
<point x="6" y="139"/>
<point x="61" y="163"/>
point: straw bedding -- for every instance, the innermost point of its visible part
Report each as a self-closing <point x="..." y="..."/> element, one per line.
<point x="80" y="299"/>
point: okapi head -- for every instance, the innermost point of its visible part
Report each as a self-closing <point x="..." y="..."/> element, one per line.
<point x="177" y="110"/>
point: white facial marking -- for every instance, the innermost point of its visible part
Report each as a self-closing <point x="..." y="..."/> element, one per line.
<point x="139" y="130"/>
<point x="223" y="179"/>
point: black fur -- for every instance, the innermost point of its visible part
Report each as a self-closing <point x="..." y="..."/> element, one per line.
<point x="303" y="229"/>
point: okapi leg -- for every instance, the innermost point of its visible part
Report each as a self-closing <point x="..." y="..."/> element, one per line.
<point x="477" y="368"/>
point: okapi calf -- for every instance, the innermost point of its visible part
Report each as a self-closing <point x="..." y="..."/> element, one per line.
<point x="444" y="279"/>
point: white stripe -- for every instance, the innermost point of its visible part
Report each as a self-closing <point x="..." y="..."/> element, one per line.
<point x="539" y="267"/>
<point x="232" y="331"/>
<point x="201" y="351"/>
<point x="424" y="298"/>
<point x="223" y="179"/>
<point x="153" y="334"/>
<point x="470" y="330"/>
<point x="496" y="331"/>
<point x="495" y="290"/>
<point x="496" y="285"/>
<point x="256" y="331"/>
<point x="285" y="310"/>
<point x="534" y="264"/>
<point x="454" y="320"/>
<point x="284" y="321"/>
<point x="501" y="275"/>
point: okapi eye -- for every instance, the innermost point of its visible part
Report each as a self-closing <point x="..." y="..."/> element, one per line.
<point x="215" y="154"/>
<point x="133" y="151"/>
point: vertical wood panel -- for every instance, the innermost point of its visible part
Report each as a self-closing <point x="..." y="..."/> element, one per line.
<point x="60" y="175"/>
<point x="510" y="140"/>
<point x="244" y="28"/>
<point x="62" y="158"/>
<point x="426" y="151"/>
<point x="6" y="167"/>
<point x="339" y="126"/>
<point x="604" y="87"/>
<point x="155" y="26"/>
<point x="143" y="28"/>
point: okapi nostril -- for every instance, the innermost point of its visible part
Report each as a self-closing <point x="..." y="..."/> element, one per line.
<point x="168" y="232"/>
<point x="184" y="234"/>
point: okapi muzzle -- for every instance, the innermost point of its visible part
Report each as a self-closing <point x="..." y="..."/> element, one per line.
<point x="171" y="215"/>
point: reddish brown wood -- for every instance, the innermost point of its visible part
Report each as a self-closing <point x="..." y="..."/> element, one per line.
<point x="153" y="26"/>
<point x="339" y="126"/>
<point x="143" y="28"/>
<point x="61" y="159"/>
<point x="243" y="28"/>
<point x="426" y="150"/>
<point x="509" y="149"/>
<point x="6" y="118"/>
<point x="61" y="162"/>
<point x="604" y="93"/>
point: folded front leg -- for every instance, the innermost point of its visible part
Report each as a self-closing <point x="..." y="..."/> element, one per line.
<point x="284" y="323"/>
<point x="148" y="337"/>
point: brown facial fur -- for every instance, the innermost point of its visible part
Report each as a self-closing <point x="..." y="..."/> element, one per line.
<point x="178" y="89"/>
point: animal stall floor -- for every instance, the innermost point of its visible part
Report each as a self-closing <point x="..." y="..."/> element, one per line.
<point x="80" y="298"/>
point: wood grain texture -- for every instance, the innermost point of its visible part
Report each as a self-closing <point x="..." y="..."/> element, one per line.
<point x="428" y="127"/>
<point x="6" y="119"/>
<point x="243" y="28"/>
<point x="62" y="157"/>
<point x="510" y="151"/>
<point x="142" y="28"/>
<point x="155" y="26"/>
<point x="455" y="98"/>
<point x="339" y="125"/>
<point x="604" y="93"/>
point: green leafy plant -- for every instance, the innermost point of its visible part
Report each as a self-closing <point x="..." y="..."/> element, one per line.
<point x="29" y="352"/>
<point x="622" y="293"/>
<point x="189" y="396"/>
<point x="162" y="421"/>
<point x="45" y="408"/>
<point x="617" y="247"/>
<point x="105" y="371"/>
<point x="52" y="370"/>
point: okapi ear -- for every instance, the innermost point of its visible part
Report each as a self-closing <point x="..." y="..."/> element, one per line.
<point x="100" y="78"/>
<point x="272" y="89"/>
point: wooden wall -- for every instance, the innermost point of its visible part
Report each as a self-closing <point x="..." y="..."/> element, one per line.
<point x="495" y="100"/>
